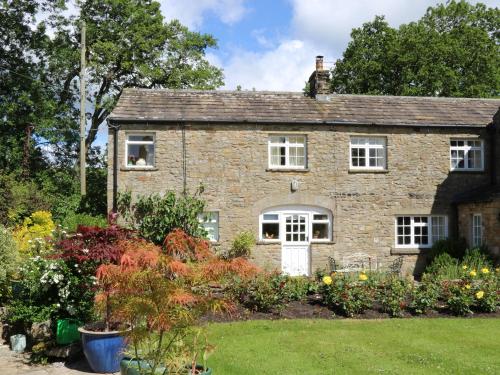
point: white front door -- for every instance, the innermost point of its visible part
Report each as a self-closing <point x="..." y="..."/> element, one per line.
<point x="295" y="245"/>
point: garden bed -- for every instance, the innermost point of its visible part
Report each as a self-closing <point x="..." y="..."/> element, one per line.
<point x="313" y="309"/>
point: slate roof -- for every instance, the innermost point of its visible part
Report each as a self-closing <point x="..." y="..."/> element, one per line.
<point x="270" y="107"/>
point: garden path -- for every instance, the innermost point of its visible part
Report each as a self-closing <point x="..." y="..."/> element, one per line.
<point x="12" y="363"/>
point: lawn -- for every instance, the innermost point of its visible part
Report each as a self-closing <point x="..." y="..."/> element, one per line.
<point x="391" y="346"/>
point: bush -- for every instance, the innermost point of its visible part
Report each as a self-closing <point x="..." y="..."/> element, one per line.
<point x="155" y="216"/>
<point x="444" y="267"/>
<point x="458" y="296"/>
<point x="451" y="246"/>
<point x="476" y="259"/>
<point x="9" y="258"/>
<point x="346" y="296"/>
<point x="51" y="288"/>
<point x="424" y="297"/>
<point x="242" y="245"/>
<point x="35" y="233"/>
<point x="73" y="220"/>
<point x="394" y="295"/>
<point x="263" y="292"/>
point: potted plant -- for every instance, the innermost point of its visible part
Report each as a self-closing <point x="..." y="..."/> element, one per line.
<point x="162" y="294"/>
<point x="104" y="342"/>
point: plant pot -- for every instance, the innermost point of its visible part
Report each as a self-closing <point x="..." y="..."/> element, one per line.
<point x="103" y="350"/>
<point x="18" y="343"/>
<point x="129" y="366"/>
<point x="67" y="331"/>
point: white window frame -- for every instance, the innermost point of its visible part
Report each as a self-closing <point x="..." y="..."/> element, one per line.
<point x="128" y="142"/>
<point x="465" y="149"/>
<point x="210" y="219"/>
<point x="287" y="210"/>
<point x="477" y="230"/>
<point x="367" y="147"/>
<point x="287" y="146"/>
<point x="430" y="225"/>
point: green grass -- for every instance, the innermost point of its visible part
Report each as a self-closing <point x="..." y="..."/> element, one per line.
<point x="406" y="346"/>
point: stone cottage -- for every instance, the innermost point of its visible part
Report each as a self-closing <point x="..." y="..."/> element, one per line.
<point x="316" y="177"/>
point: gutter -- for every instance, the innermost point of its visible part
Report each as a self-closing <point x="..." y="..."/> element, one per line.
<point x="271" y="122"/>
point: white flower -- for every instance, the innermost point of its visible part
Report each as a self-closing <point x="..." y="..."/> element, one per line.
<point x="85" y="251"/>
<point x="29" y="241"/>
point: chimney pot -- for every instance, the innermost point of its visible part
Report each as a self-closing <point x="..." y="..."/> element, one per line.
<point x="319" y="63"/>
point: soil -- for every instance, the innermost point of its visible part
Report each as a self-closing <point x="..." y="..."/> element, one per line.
<point x="312" y="308"/>
<point x="101" y="327"/>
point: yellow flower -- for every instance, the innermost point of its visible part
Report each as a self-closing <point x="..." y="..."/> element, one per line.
<point x="485" y="270"/>
<point x="464" y="267"/>
<point x="480" y="294"/>
<point x="473" y="273"/>
<point x="467" y="286"/>
<point x="327" y="280"/>
<point x="363" y="277"/>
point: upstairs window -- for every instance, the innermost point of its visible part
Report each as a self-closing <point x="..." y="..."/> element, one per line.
<point x="420" y="231"/>
<point x="466" y="155"/>
<point x="368" y="153"/>
<point x="210" y="222"/>
<point x="287" y="151"/>
<point x="140" y="150"/>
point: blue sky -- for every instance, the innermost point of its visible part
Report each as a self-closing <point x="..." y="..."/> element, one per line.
<point x="271" y="45"/>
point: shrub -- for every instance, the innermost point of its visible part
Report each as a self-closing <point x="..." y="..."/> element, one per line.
<point x="155" y="216"/>
<point x="37" y="228"/>
<point x="72" y="220"/>
<point x="394" y="295"/>
<point x="181" y="245"/>
<point x="93" y="245"/>
<point x="9" y="258"/>
<point x="424" y="297"/>
<point x="476" y="259"/>
<point x="451" y="246"/>
<point x="487" y="294"/>
<point x="458" y="296"/>
<point x="263" y="292"/>
<point x="444" y="267"/>
<point x="51" y="288"/>
<point x="242" y="245"/>
<point x="346" y="296"/>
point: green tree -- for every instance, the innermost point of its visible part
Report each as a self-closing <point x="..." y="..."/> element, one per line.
<point x="453" y="50"/>
<point x="128" y="45"/>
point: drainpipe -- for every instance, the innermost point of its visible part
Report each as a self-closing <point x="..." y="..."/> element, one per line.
<point x="492" y="132"/>
<point x="184" y="159"/>
<point x="115" y="165"/>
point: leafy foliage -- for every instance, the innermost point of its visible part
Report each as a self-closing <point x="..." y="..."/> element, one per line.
<point x="155" y="216"/>
<point x="242" y="245"/>
<point x="393" y="294"/>
<point x="451" y="51"/>
<point x="9" y="259"/>
<point x="33" y="235"/>
<point x="163" y="296"/>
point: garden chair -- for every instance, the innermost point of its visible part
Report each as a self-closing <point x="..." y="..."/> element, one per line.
<point x="396" y="265"/>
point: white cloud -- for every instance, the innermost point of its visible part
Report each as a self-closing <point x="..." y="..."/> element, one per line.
<point x="285" y="68"/>
<point x="192" y="13"/>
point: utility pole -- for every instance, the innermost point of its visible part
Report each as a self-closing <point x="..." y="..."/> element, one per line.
<point x="83" y="154"/>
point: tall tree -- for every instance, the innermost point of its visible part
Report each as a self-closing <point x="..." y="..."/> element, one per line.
<point x="129" y="45"/>
<point x="453" y="50"/>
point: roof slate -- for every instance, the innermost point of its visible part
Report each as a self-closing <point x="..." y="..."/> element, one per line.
<point x="293" y="107"/>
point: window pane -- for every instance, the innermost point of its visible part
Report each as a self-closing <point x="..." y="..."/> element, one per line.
<point x="320" y="230"/>
<point x="140" y="155"/>
<point x="140" y="138"/>
<point x="270" y="231"/>
<point x="210" y="222"/>
<point x="270" y="217"/>
<point x="320" y="217"/>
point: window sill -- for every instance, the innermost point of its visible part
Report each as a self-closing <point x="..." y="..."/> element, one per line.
<point x="322" y="242"/>
<point x="458" y="171"/>
<point x="269" y="242"/>
<point x="141" y="169"/>
<point x="301" y="170"/>
<point x="408" y="251"/>
<point x="368" y="170"/>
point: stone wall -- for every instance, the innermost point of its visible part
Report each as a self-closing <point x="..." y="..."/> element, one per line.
<point x="490" y="215"/>
<point x="231" y="161"/>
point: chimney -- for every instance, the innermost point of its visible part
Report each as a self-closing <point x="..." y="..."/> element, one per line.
<point x="319" y="82"/>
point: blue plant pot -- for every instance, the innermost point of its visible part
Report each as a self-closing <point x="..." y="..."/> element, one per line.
<point x="103" y="350"/>
<point x="130" y="366"/>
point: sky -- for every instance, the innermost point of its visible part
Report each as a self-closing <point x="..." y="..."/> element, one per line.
<point x="271" y="45"/>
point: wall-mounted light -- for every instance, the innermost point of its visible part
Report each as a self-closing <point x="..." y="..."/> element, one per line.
<point x="294" y="186"/>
